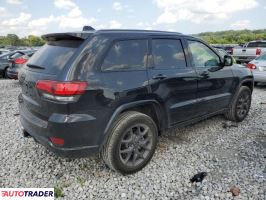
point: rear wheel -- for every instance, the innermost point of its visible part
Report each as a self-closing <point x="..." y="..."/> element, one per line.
<point x="240" y="105"/>
<point x="131" y="143"/>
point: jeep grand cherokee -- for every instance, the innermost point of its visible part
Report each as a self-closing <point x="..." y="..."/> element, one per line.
<point x="115" y="91"/>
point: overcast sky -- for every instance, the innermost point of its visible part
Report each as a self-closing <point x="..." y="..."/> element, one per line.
<point x="24" y="17"/>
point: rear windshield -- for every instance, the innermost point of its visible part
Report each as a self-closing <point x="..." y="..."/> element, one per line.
<point x="262" y="57"/>
<point x="16" y="55"/>
<point x="53" y="56"/>
<point x="257" y="44"/>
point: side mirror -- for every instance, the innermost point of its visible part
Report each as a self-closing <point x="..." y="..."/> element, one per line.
<point x="228" y="60"/>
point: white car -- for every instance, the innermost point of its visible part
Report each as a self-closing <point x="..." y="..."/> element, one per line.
<point x="258" y="66"/>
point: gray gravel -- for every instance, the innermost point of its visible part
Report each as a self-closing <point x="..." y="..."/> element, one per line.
<point x="231" y="156"/>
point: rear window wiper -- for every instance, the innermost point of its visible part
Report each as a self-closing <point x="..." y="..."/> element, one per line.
<point x="35" y="66"/>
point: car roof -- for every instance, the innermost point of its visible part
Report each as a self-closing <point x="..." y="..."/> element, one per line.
<point x="86" y="34"/>
<point x="136" y="31"/>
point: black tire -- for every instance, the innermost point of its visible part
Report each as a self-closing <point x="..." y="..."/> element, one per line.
<point x="5" y="73"/>
<point x="118" y="151"/>
<point x="240" y="105"/>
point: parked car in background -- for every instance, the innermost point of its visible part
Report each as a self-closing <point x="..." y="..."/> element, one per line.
<point x="222" y="52"/>
<point x="250" y="51"/>
<point x="3" y="51"/>
<point x="3" y="67"/>
<point x="115" y="91"/>
<point x="16" y="61"/>
<point x="258" y="66"/>
<point x="227" y="47"/>
<point x="4" y="63"/>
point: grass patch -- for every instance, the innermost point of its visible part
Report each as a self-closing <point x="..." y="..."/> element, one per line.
<point x="58" y="191"/>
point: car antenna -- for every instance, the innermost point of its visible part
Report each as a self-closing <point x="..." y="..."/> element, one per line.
<point x="88" y="28"/>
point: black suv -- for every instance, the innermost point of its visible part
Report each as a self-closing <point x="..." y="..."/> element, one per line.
<point x="115" y="91"/>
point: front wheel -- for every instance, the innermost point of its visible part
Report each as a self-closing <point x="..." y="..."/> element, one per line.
<point x="240" y="105"/>
<point x="131" y="143"/>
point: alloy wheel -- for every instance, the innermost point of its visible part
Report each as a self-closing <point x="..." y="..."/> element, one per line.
<point x="135" y="145"/>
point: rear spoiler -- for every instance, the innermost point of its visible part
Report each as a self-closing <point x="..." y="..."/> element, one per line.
<point x="70" y="36"/>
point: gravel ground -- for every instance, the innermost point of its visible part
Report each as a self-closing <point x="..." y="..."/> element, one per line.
<point x="231" y="156"/>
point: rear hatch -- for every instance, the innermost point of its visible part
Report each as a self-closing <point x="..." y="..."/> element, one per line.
<point x="46" y="64"/>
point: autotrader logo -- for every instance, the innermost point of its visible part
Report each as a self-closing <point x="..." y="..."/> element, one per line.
<point x="27" y="193"/>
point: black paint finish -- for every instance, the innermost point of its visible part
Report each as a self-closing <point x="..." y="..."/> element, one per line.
<point x="178" y="96"/>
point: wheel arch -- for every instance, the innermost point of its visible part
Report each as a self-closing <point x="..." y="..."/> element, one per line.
<point x="248" y="83"/>
<point x="151" y="108"/>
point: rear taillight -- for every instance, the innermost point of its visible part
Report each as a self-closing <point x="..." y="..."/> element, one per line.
<point x="57" y="141"/>
<point x="20" y="60"/>
<point x="258" y="52"/>
<point x="251" y="66"/>
<point x="64" y="91"/>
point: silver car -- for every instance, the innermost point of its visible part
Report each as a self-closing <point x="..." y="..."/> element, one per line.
<point x="258" y="66"/>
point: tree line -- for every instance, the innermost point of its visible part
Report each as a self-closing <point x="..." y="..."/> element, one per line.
<point x="14" y="40"/>
<point x="232" y="36"/>
<point x="220" y="37"/>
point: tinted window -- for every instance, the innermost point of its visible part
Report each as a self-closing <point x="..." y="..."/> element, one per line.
<point x="168" y="53"/>
<point x="53" y="56"/>
<point x="202" y="55"/>
<point x="257" y="44"/>
<point x="262" y="57"/>
<point x="126" y="55"/>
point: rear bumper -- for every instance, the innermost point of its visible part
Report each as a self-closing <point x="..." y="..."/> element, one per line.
<point x="75" y="152"/>
<point x="77" y="142"/>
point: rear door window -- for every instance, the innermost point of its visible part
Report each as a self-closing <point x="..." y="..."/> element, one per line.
<point x="126" y="55"/>
<point x="168" y="54"/>
<point x="53" y="56"/>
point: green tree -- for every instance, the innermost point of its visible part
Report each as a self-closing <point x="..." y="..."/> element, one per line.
<point x="35" y="40"/>
<point x="12" y="39"/>
<point x="232" y="36"/>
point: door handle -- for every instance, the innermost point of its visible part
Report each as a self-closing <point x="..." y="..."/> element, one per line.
<point x="159" y="77"/>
